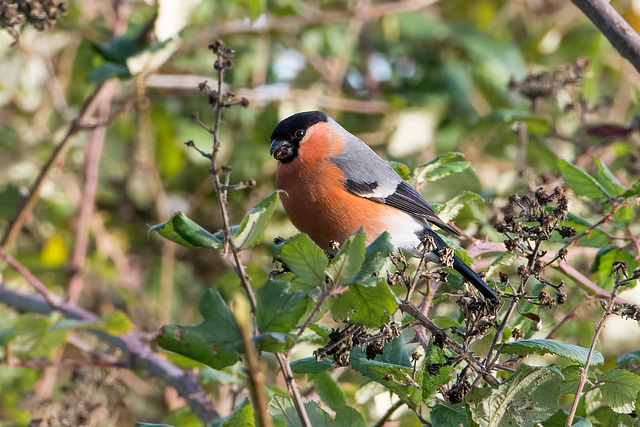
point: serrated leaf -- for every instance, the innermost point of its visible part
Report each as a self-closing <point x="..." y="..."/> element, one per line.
<point x="281" y="408"/>
<point x="446" y="322"/>
<point x="375" y="257"/>
<point x="213" y="342"/>
<point x="305" y="259"/>
<point x="581" y="182"/>
<point x="607" y="179"/>
<point x="116" y="323"/>
<point x="247" y="234"/>
<point x="443" y="165"/>
<point x="543" y="346"/>
<point x="348" y="261"/>
<point x="370" y="305"/>
<point x="529" y="396"/>
<point x="310" y="365"/>
<point x="446" y="414"/>
<point x="278" y="309"/>
<point x="183" y="231"/>
<point x="571" y="379"/>
<point x="451" y="208"/>
<point x="389" y="363"/>
<point x="625" y="214"/>
<point x="329" y="390"/>
<point x="619" y="390"/>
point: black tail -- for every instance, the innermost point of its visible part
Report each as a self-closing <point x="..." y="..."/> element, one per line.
<point x="462" y="268"/>
<point x="472" y="277"/>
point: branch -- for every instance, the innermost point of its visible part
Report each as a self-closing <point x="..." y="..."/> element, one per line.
<point x="139" y="355"/>
<point x="619" y="33"/>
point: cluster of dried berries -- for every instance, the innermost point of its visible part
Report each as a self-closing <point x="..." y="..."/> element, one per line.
<point x="42" y="15"/>
<point x="546" y="84"/>
<point x="479" y="316"/>
<point x="525" y="230"/>
<point x="355" y="334"/>
<point x="461" y="387"/>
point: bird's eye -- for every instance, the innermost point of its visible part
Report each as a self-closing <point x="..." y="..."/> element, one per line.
<point x="300" y="133"/>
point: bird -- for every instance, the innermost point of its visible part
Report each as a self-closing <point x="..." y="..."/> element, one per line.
<point x="332" y="184"/>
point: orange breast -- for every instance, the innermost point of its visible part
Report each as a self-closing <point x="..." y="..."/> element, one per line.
<point x="318" y="204"/>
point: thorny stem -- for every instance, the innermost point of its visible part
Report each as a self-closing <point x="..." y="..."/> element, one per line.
<point x="585" y="370"/>
<point x="491" y="360"/>
<point x="230" y="250"/>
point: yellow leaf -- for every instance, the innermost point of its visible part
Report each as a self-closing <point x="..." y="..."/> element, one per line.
<point x="54" y="253"/>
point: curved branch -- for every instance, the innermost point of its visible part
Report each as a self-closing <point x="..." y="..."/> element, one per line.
<point x="619" y="33"/>
<point x="139" y="354"/>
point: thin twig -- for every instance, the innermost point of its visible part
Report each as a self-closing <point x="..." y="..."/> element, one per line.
<point x="388" y="414"/>
<point x="585" y="370"/>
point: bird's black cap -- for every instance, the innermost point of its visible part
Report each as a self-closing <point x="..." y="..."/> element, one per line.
<point x="286" y="129"/>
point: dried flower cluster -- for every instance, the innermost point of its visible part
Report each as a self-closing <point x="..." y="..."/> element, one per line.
<point x="535" y="221"/>
<point x="42" y="15"/>
<point x="355" y="334"/>
<point x="546" y="84"/>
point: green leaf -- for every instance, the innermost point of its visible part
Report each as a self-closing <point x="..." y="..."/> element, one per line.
<point x="625" y="214"/>
<point x="581" y="182"/>
<point x="633" y="191"/>
<point x="9" y="201"/>
<point x="116" y="323"/>
<point x="388" y="363"/>
<point x="375" y="257"/>
<point x="249" y="233"/>
<point x="446" y="322"/>
<point x="348" y="261"/>
<point x="446" y="414"/>
<point x="603" y="264"/>
<point x="305" y="259"/>
<point x="213" y="341"/>
<point x="608" y="180"/>
<point x="370" y="305"/>
<point x="274" y="342"/>
<point x="629" y="361"/>
<point x="118" y="49"/>
<point x="242" y="416"/>
<point x="281" y="408"/>
<point x="329" y="390"/>
<point x="73" y="323"/>
<point x="34" y="337"/>
<point x="452" y="207"/>
<point x="619" y="390"/>
<point x="310" y="365"/>
<point x="278" y="309"/>
<point x="107" y="71"/>
<point x="583" y="422"/>
<point x="530" y="395"/>
<point x="349" y="417"/>
<point x="505" y="259"/>
<point x="571" y="379"/>
<point x="443" y="165"/>
<point x="401" y="169"/>
<point x="185" y="232"/>
<point x="543" y="346"/>
<point x="7" y="335"/>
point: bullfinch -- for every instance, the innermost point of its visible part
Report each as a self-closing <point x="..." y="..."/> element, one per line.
<point x="333" y="184"/>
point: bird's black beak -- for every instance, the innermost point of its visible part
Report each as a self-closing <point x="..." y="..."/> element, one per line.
<point x="283" y="150"/>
